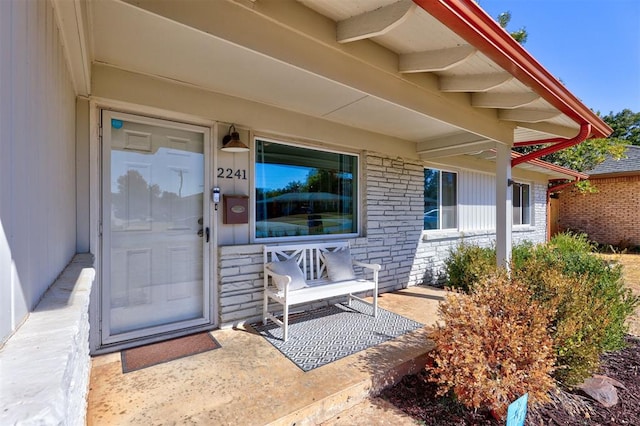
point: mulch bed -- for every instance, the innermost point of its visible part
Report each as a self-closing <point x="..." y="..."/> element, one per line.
<point x="417" y="397"/>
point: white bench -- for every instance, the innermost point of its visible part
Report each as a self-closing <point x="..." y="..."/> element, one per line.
<point x="312" y="264"/>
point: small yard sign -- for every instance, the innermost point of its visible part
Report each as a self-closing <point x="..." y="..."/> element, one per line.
<point x="517" y="411"/>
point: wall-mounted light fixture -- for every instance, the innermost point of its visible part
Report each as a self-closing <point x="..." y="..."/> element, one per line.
<point x="232" y="143"/>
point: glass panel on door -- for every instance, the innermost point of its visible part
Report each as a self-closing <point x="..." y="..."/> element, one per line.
<point x="154" y="227"/>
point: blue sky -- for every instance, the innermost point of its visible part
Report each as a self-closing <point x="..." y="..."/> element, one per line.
<point x="592" y="46"/>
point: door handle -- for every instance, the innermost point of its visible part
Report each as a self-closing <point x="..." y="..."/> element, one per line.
<point x="204" y="232"/>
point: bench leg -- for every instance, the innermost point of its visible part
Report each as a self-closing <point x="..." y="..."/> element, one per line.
<point x="265" y="307"/>
<point x="375" y="303"/>
<point x="285" y="322"/>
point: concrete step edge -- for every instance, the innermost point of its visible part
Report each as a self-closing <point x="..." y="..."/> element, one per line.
<point x="332" y="405"/>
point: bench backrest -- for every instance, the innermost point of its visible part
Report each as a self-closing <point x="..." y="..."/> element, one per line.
<point x="307" y="255"/>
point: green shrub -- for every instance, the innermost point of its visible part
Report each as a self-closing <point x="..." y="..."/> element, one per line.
<point x="467" y="264"/>
<point x="569" y="242"/>
<point x="602" y="280"/>
<point x="520" y="253"/>
<point x="493" y="346"/>
<point x="578" y="326"/>
<point x="588" y="296"/>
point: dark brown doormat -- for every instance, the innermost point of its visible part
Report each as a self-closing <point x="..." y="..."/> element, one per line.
<point x="157" y="353"/>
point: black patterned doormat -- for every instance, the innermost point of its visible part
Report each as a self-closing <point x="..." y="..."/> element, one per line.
<point x="324" y="335"/>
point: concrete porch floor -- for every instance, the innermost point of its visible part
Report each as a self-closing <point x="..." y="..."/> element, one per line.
<point x="249" y="382"/>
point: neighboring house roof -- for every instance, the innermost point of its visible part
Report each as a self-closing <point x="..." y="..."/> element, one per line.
<point x="628" y="166"/>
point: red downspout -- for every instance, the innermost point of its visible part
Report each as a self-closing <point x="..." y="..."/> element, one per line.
<point x="467" y="19"/>
<point x="559" y="144"/>
<point x="585" y="130"/>
<point x="473" y="24"/>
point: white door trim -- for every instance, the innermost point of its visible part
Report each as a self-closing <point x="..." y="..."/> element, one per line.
<point x="97" y="105"/>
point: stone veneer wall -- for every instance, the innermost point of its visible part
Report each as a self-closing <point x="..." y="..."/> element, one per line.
<point x="609" y="216"/>
<point x="393" y="216"/>
<point x="435" y="248"/>
<point x="45" y="365"/>
<point x="393" y="236"/>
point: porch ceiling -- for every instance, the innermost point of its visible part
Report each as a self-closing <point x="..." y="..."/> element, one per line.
<point x="386" y="66"/>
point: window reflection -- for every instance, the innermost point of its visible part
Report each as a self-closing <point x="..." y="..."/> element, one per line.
<point x="521" y="204"/>
<point x="440" y="199"/>
<point x="155" y="190"/>
<point x="302" y="191"/>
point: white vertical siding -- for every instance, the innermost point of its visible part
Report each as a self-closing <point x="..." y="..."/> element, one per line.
<point x="476" y="200"/>
<point x="37" y="158"/>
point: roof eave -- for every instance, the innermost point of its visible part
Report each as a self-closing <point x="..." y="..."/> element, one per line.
<point x="479" y="29"/>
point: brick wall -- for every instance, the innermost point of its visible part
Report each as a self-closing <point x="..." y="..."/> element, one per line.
<point x="609" y="216"/>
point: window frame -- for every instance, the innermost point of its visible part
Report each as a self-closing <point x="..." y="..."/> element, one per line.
<point x="519" y="185"/>
<point x="440" y="229"/>
<point x="313" y="147"/>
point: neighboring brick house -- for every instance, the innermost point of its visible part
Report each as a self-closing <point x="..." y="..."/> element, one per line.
<point x="609" y="216"/>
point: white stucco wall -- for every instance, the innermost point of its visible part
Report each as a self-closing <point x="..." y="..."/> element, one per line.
<point x="45" y="366"/>
<point x="37" y="158"/>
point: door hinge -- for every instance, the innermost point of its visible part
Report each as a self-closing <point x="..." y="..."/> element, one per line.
<point x="100" y="230"/>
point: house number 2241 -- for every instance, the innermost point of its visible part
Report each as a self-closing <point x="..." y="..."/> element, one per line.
<point x="232" y="174"/>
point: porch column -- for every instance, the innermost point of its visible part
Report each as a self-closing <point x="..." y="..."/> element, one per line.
<point x="504" y="207"/>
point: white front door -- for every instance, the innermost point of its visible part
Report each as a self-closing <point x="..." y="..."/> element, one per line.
<point x="156" y="232"/>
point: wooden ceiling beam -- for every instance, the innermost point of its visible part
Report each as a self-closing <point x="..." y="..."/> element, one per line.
<point x="474" y="83"/>
<point x="502" y="100"/>
<point x="375" y="22"/>
<point x="435" y="60"/>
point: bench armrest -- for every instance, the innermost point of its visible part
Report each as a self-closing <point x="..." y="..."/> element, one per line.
<point x="269" y="273"/>
<point x="372" y="266"/>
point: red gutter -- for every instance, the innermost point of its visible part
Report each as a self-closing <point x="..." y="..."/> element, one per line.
<point x="553" y="167"/>
<point x="585" y="130"/>
<point x="480" y="30"/>
<point x="550" y="166"/>
<point x="558" y="187"/>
